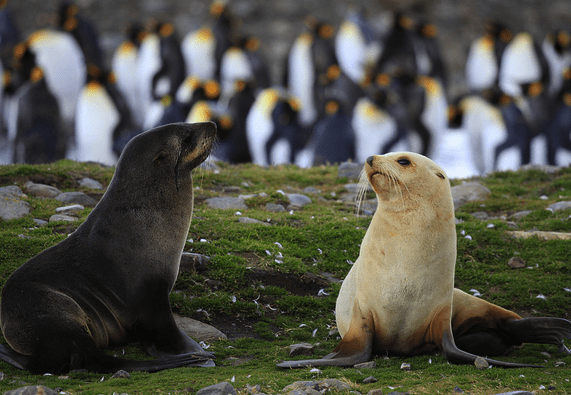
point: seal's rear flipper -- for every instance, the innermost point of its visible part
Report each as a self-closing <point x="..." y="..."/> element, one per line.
<point x="456" y="356"/>
<point x="543" y="330"/>
<point x="109" y="364"/>
<point x="14" y="358"/>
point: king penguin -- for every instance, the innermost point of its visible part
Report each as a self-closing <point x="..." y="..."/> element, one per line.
<point x="523" y="61"/>
<point x="124" y="66"/>
<point x="39" y="135"/>
<point x="70" y="20"/>
<point x="484" y="56"/>
<point x="333" y="138"/>
<point x="356" y="45"/>
<point x="65" y="79"/>
<point x="96" y="120"/>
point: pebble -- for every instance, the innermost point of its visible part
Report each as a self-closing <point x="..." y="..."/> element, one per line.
<point x="521" y="214"/>
<point x="70" y="209"/>
<point x="275" y="208"/>
<point x="376" y="391"/>
<point x="366" y="365"/>
<point x="298" y="200"/>
<point x="349" y="170"/>
<point x="468" y="192"/>
<point x="121" y="374"/>
<point x="311" y="190"/>
<point x="246" y="220"/>
<point x="539" y="234"/>
<point x="192" y="262"/>
<point x="76" y="198"/>
<point x="566" y="205"/>
<point x="320" y="386"/>
<point x="12" y="191"/>
<point x="90" y="183"/>
<point x="370" y="380"/>
<point x="481" y="363"/>
<point x="405" y="367"/>
<point x="301" y="349"/>
<point x="226" y="202"/>
<point x="62" y="217"/>
<point x="516" y="262"/>
<point x="12" y="208"/>
<point x="198" y="330"/>
<point x="31" y="390"/>
<point x="41" y="190"/>
<point x="224" y="388"/>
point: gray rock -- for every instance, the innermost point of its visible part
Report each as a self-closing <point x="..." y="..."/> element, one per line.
<point x="376" y="391"/>
<point x="253" y="389"/>
<point x="320" y="386"/>
<point x="542" y="235"/>
<point x="366" y="365"/>
<point x="311" y="190"/>
<point x="32" y="390"/>
<point x="121" y="374"/>
<point x="349" y="170"/>
<point x="62" y="217"/>
<point x="247" y="220"/>
<point x="90" y="183"/>
<point x="226" y="203"/>
<point x="370" y="380"/>
<point x="69" y="209"/>
<point x="520" y="214"/>
<point x="481" y="363"/>
<point x="549" y="169"/>
<point x="224" y="388"/>
<point x="458" y="390"/>
<point x="12" y="191"/>
<point x="76" y="198"/>
<point x="559" y="206"/>
<point x="198" y="330"/>
<point x="41" y="190"/>
<point x="481" y="215"/>
<point x="516" y="393"/>
<point x="275" y="208"/>
<point x="192" y="262"/>
<point x="405" y="366"/>
<point x="40" y="222"/>
<point x="298" y="200"/>
<point x="468" y="192"/>
<point x="301" y="349"/>
<point x="352" y="188"/>
<point x="232" y="189"/>
<point x="516" y="262"/>
<point x="11" y="208"/>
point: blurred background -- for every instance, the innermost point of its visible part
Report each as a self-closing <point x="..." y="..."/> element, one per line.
<point x="277" y="25"/>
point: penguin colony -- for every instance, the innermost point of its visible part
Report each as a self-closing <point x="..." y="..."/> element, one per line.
<point x="347" y="92"/>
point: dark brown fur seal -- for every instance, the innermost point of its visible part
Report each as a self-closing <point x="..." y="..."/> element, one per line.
<point x="108" y="283"/>
<point x="399" y="296"/>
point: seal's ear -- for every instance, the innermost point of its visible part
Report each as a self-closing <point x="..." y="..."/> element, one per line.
<point x="441" y="175"/>
<point x="160" y="158"/>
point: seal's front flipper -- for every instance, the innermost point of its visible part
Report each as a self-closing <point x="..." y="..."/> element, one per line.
<point x="355" y="347"/>
<point x="543" y="330"/>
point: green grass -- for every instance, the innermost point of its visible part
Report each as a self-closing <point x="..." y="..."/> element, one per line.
<point x="322" y="237"/>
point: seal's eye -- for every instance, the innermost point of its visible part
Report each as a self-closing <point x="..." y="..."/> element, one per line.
<point x="403" y="162"/>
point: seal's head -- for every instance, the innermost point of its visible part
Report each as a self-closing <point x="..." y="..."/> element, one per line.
<point x="406" y="181"/>
<point x="168" y="152"/>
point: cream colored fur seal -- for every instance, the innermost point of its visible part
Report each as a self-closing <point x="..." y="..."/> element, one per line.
<point x="399" y="296"/>
<point x="108" y="283"/>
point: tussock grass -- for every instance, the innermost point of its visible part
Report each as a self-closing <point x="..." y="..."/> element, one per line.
<point x="264" y="317"/>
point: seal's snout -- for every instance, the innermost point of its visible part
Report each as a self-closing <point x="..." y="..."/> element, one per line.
<point x="370" y="160"/>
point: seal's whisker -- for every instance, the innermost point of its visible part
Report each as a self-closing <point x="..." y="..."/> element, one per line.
<point x="363" y="183"/>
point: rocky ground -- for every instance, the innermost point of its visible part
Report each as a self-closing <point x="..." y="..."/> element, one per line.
<point x="277" y="23"/>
